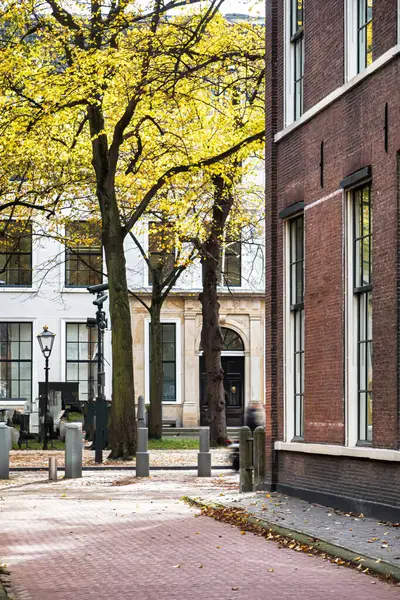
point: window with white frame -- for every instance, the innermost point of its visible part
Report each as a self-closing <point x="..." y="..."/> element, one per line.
<point x="81" y="358"/>
<point x="16" y="360"/>
<point x="294" y="60"/>
<point x="360" y="319"/>
<point x="296" y="324"/>
<point x="230" y="267"/>
<point x="359" y="28"/>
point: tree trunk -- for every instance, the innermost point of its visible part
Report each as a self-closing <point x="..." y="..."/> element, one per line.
<point x="156" y="373"/>
<point x="122" y="427"/>
<point x="211" y="337"/>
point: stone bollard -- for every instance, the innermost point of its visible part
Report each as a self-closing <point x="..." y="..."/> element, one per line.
<point x="142" y="454"/>
<point x="52" y="468"/>
<point x="141" y="412"/>
<point x="259" y="459"/>
<point x="245" y="460"/>
<point x="73" y="450"/>
<point x="204" y="456"/>
<point x="4" y="451"/>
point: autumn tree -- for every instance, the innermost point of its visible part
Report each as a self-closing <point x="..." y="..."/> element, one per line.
<point x="108" y="102"/>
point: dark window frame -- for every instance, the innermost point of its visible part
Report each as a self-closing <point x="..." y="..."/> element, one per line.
<point x="297" y="42"/>
<point x="19" y="360"/>
<point x="92" y="363"/>
<point x="362" y="30"/>
<point x="15" y="252"/>
<point x="296" y="291"/>
<point x="174" y="362"/>
<point x="83" y="256"/>
<point x="362" y="291"/>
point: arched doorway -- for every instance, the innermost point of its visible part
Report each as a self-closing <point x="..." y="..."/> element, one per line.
<point x="232" y="359"/>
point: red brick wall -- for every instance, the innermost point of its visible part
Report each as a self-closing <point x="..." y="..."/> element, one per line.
<point x="352" y="131"/>
<point x="366" y="486"/>
<point x="324" y="54"/>
<point x="323" y="305"/>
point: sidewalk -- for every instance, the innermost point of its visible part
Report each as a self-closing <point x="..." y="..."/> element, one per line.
<point x="367" y="537"/>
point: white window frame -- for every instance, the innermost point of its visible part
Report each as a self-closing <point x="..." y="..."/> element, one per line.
<point x="351" y="39"/>
<point x="178" y="358"/>
<point x="351" y="332"/>
<point x="288" y="338"/>
<point x="289" y="66"/>
<point x="398" y="21"/>
<point x="351" y="403"/>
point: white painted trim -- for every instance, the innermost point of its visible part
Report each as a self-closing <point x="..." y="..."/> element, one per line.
<point x="350" y="39"/>
<point x="398" y="21"/>
<point x="350" y="330"/>
<point x="331" y="450"/>
<point x="178" y="358"/>
<point x="340" y="91"/>
<point x="288" y="68"/>
<point x="324" y="199"/>
<point x="288" y="341"/>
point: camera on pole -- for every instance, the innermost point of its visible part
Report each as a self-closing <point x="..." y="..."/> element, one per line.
<point x="99" y="322"/>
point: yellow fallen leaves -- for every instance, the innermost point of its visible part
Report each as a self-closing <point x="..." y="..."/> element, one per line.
<point x="176" y="566"/>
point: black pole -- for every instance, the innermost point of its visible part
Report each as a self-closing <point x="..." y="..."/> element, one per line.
<point x="101" y="405"/>
<point x="46" y="405"/>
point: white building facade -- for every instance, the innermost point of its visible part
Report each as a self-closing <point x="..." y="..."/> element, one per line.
<point x="44" y="283"/>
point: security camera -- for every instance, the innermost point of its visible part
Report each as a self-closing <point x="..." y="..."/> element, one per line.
<point x="96" y="289"/>
<point x="100" y="301"/>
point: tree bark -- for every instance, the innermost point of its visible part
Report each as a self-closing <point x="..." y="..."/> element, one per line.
<point x="122" y="426"/>
<point x="156" y="373"/>
<point x="211" y="337"/>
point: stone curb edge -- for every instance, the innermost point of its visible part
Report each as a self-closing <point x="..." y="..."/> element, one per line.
<point x="382" y="568"/>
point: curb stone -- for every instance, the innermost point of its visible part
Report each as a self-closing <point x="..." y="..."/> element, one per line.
<point x="380" y="568"/>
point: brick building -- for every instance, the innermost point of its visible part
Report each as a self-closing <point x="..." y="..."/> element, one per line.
<point x="333" y="252"/>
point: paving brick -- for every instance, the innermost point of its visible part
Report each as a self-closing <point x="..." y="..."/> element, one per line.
<point x="91" y="540"/>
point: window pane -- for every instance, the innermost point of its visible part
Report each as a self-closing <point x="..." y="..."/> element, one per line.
<point x="362" y="417"/>
<point x="25" y="350"/>
<point x="72" y="371"/>
<point x="72" y="351"/>
<point x="169" y="391"/>
<point x="84" y="256"/>
<point x="72" y="332"/>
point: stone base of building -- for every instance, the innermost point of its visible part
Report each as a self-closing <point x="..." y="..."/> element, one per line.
<point x="370" y="487"/>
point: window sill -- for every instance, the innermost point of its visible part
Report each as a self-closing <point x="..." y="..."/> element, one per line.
<point x="340" y="91"/>
<point x="332" y="450"/>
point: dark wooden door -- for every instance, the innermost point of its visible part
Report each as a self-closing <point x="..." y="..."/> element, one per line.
<point x="233" y="367"/>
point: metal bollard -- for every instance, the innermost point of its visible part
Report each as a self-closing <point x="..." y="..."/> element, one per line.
<point x="141" y="412"/>
<point x="259" y="459"/>
<point x="246" y="460"/>
<point x="204" y="456"/>
<point x="4" y="451"/>
<point x="52" y="468"/>
<point x="142" y="455"/>
<point x="73" y="450"/>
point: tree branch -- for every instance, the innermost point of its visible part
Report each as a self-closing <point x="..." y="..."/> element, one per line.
<point x="207" y="162"/>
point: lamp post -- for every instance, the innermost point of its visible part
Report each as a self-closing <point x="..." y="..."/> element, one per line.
<point x="46" y="341"/>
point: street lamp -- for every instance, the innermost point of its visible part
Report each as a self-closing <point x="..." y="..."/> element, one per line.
<point x="46" y="341"/>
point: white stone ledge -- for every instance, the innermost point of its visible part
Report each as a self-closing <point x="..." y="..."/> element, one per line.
<point x="340" y="91"/>
<point x="332" y="450"/>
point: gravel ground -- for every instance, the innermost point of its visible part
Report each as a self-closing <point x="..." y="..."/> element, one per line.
<point x="158" y="458"/>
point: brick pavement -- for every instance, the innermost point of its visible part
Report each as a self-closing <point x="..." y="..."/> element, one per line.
<point x="91" y="540"/>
